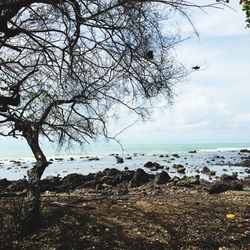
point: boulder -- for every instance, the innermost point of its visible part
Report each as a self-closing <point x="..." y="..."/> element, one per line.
<point x="140" y="177"/>
<point x="19" y="185"/>
<point x="175" y="179"/>
<point x="50" y="183"/>
<point x="122" y="177"/>
<point x="192" y="152"/>
<point x="4" y="183"/>
<point x="73" y="181"/>
<point x="154" y="166"/>
<point x="223" y="187"/>
<point x="207" y="171"/>
<point x="162" y="178"/>
<point x="119" y="159"/>
<point x="244" y="151"/>
<point x="176" y="155"/>
<point x="226" y="177"/>
<point x="247" y="170"/>
<point x="94" y="159"/>
<point x="179" y="168"/>
<point x="188" y="181"/>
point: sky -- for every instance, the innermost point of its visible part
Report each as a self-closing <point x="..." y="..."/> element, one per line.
<point x="212" y="106"/>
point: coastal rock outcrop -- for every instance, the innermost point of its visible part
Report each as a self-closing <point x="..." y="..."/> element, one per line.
<point x="119" y="159"/>
<point x="153" y="166"/>
<point x="223" y="187"/>
<point x="162" y="178"/>
<point x="207" y="171"/>
<point x="226" y="177"/>
<point x="140" y="177"/>
<point x="179" y="168"/>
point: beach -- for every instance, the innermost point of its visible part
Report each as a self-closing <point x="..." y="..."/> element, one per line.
<point x="219" y="158"/>
<point x="193" y="198"/>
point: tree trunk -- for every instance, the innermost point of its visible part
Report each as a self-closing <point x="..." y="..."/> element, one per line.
<point x="31" y="211"/>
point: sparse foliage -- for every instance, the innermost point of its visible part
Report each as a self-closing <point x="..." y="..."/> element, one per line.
<point x="66" y="65"/>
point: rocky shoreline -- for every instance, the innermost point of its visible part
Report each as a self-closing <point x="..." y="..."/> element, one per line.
<point x="114" y="178"/>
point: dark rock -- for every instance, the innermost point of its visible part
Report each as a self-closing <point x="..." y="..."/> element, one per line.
<point x="59" y="159"/>
<point x="192" y="152"/>
<point x="149" y="164"/>
<point x="223" y="187"/>
<point x="71" y="159"/>
<point x="19" y="185"/>
<point x="244" y="151"/>
<point x="72" y="181"/>
<point x="180" y="168"/>
<point x="24" y="167"/>
<point x="226" y="177"/>
<point x="176" y="166"/>
<point x="119" y="159"/>
<point x="15" y="162"/>
<point x="154" y="166"/>
<point x="129" y="158"/>
<point x="126" y="168"/>
<point x="162" y="178"/>
<point x="176" y="155"/>
<point x="123" y="177"/>
<point x="94" y="159"/>
<point x="207" y="171"/>
<point x="175" y="179"/>
<point x="140" y="177"/>
<point x="108" y="171"/>
<point x="245" y="163"/>
<point x="188" y="181"/>
<point x="247" y="170"/>
<point x="4" y="183"/>
<point x="50" y="183"/>
<point x="106" y="179"/>
<point x="161" y="156"/>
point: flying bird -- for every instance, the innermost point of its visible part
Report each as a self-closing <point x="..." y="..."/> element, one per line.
<point x="196" y="67"/>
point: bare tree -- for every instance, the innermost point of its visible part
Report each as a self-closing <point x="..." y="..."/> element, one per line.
<point x="65" y="66"/>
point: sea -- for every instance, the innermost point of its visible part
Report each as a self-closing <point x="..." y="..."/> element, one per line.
<point x="16" y="158"/>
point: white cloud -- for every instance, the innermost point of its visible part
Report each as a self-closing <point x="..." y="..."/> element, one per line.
<point x="215" y="22"/>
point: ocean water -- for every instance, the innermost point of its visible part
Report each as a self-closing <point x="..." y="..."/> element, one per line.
<point x="16" y="159"/>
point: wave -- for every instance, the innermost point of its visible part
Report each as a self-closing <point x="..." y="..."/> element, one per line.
<point x="223" y="149"/>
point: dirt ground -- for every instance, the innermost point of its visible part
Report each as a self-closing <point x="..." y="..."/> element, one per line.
<point x="148" y="217"/>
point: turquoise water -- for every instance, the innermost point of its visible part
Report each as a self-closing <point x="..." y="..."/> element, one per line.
<point x="19" y="149"/>
<point x="219" y="157"/>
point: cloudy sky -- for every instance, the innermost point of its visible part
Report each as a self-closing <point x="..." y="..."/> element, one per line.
<point x="213" y="105"/>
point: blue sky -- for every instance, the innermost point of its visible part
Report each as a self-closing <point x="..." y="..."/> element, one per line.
<point x="213" y="105"/>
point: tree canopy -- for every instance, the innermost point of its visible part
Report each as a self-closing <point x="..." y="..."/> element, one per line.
<point x="66" y="65"/>
<point x="246" y="8"/>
